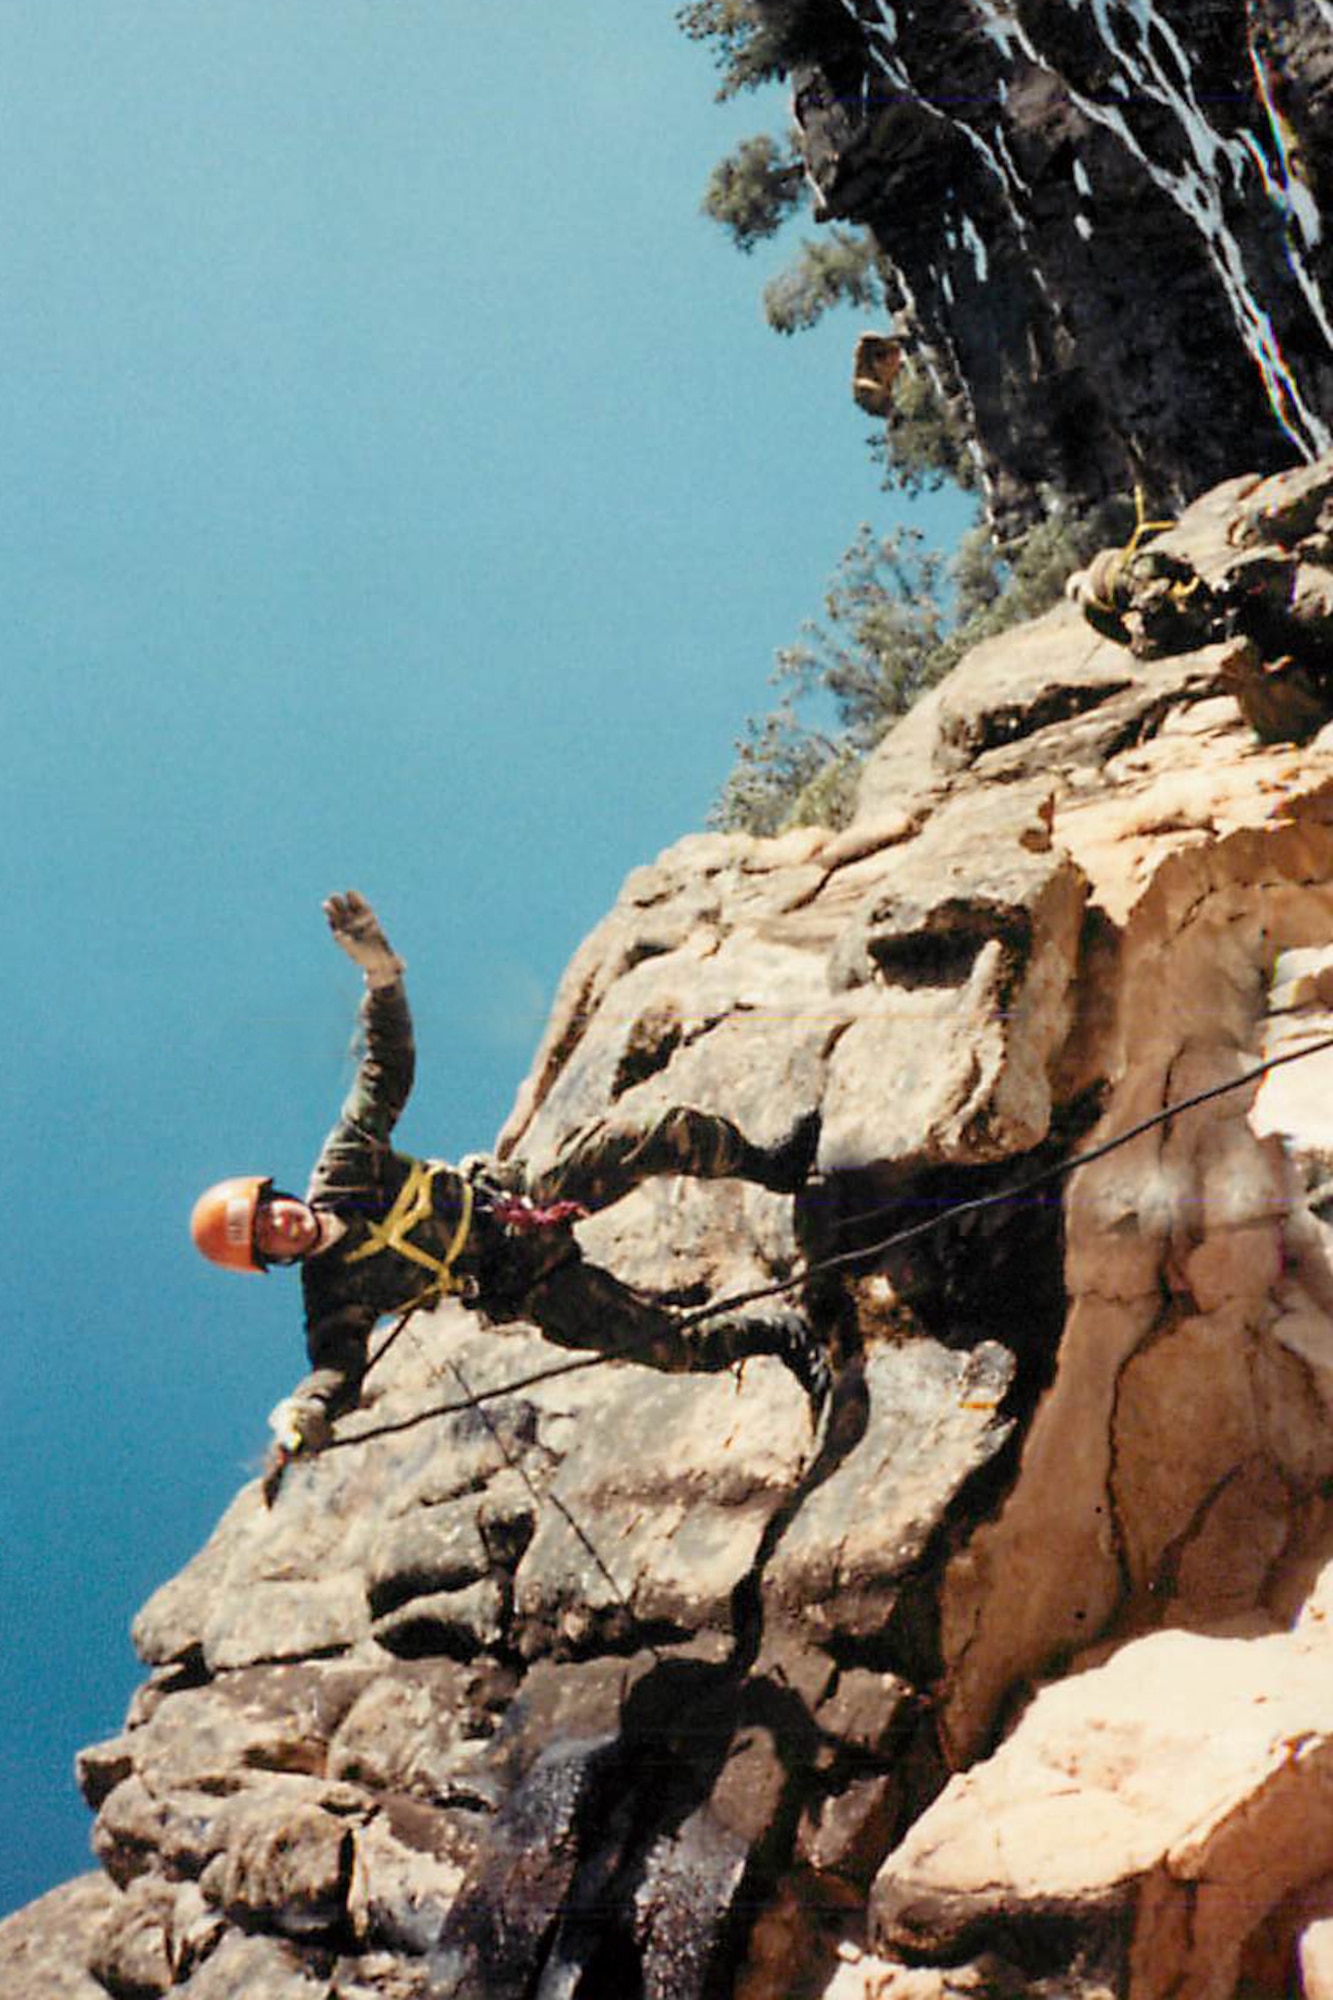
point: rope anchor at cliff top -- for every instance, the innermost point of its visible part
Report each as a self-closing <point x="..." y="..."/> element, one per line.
<point x="1060" y="1170"/>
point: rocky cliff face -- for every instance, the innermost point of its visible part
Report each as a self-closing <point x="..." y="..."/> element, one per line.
<point x="1105" y="221"/>
<point x="1014" y="1675"/>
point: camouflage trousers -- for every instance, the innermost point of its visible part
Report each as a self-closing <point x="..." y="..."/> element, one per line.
<point x="603" y="1161"/>
<point x="541" y="1275"/>
<point x="583" y="1306"/>
<point x="578" y="1304"/>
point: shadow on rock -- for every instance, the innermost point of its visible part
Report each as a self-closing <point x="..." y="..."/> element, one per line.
<point x="609" y="1870"/>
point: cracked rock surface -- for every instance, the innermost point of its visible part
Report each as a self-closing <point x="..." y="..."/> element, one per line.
<point x="1011" y="1675"/>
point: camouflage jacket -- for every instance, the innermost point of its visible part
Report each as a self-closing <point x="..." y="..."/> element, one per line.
<point x="358" y="1177"/>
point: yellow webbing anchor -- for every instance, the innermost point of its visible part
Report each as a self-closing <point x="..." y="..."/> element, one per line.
<point x="412" y="1206"/>
<point x="1107" y="568"/>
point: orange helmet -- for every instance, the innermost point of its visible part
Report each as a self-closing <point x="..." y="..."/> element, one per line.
<point x="223" y="1222"/>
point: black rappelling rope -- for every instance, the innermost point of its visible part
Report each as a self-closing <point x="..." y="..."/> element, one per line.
<point x="515" y="1464"/>
<point x="1057" y="1171"/>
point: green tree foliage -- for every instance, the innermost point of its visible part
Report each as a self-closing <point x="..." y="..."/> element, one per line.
<point x="922" y="446"/>
<point x="755" y="190"/>
<point x="871" y="655"/>
<point x="838" y="269"/>
<point x="752" y="191"/>
<point x="751" y="194"/>
<point x="885" y="615"/>
<point x="761" y="185"/>
<point x="751" y="46"/>
<point x="778" y="761"/>
<point x="758" y="188"/>
<point x="897" y="617"/>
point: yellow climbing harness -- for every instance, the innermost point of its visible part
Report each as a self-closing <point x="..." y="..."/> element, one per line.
<point x="1108" y="567"/>
<point x="413" y="1205"/>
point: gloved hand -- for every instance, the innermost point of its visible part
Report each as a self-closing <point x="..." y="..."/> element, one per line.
<point x="357" y="929"/>
<point x="297" y="1429"/>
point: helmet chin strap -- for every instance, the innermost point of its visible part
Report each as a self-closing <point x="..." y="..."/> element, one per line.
<point x="269" y="1259"/>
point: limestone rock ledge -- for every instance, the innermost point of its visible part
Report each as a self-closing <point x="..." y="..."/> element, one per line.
<point x="1012" y="1675"/>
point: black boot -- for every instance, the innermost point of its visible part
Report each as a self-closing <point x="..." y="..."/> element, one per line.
<point x="721" y="1343"/>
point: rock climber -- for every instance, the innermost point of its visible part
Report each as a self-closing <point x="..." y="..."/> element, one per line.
<point x="377" y="1232"/>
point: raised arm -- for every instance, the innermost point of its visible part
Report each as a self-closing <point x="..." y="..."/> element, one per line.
<point x="350" y="1168"/>
<point x="357" y="929"/>
<point x="384" y="1075"/>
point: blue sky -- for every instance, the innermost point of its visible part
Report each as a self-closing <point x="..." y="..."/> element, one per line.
<point x="403" y="491"/>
